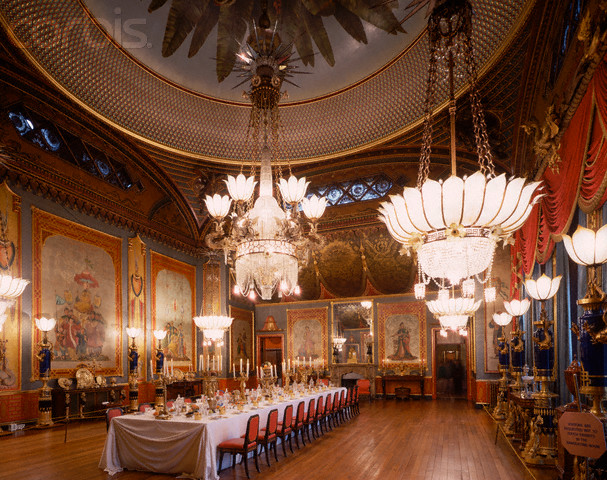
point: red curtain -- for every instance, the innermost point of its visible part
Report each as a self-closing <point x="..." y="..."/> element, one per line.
<point x="581" y="179"/>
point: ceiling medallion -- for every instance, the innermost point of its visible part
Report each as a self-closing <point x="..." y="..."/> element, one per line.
<point x="263" y="240"/>
<point x="454" y="226"/>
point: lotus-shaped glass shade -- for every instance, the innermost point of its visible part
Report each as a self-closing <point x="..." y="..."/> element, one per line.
<point x="543" y="288"/>
<point x="241" y="188"/>
<point x="160" y="334"/>
<point x="293" y="190"/>
<point x="314" y="207"/>
<point x="11" y="287"/>
<point x="586" y="247"/>
<point x="133" y="332"/>
<point x="517" y="308"/>
<point x="453" y="306"/>
<point x="45" y="324"/>
<point x="218" y="206"/>
<point x="213" y="321"/>
<point x="471" y="202"/>
<point x="502" y="319"/>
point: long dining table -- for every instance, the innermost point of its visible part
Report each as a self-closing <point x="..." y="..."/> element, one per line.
<point x="183" y="445"/>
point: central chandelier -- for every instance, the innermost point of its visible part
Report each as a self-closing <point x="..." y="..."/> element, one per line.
<point x="264" y="240"/>
<point x="454" y="226"/>
<point x="453" y="313"/>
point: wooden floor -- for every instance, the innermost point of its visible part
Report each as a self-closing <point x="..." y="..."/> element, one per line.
<point x="391" y="439"/>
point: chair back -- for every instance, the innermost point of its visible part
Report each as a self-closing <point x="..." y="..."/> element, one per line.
<point x="272" y="422"/>
<point x="311" y="409"/>
<point x="252" y="430"/>
<point x="187" y="400"/>
<point x="364" y="385"/>
<point x="328" y="404"/>
<point x="143" y="406"/>
<point x="170" y="404"/>
<point x="287" y="419"/>
<point x="342" y="400"/>
<point x="356" y="394"/>
<point x="111" y="413"/>
<point x="300" y="413"/>
<point x="336" y="402"/>
<point x="320" y="406"/>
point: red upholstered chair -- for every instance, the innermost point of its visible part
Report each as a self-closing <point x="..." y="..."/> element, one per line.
<point x="310" y="423"/>
<point x="298" y="425"/>
<point x="342" y="405"/>
<point x="143" y="406"/>
<point x="170" y="404"/>
<point x="267" y="436"/>
<point x="111" y="413"/>
<point x="335" y="410"/>
<point x="326" y="417"/>
<point x="364" y="388"/>
<point x="349" y="402"/>
<point x="320" y="412"/>
<point x="242" y="446"/>
<point x="284" y="429"/>
<point x="355" y="402"/>
<point x="187" y="400"/>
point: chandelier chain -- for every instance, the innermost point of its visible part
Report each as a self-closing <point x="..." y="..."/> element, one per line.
<point x="481" y="138"/>
<point x="424" y="166"/>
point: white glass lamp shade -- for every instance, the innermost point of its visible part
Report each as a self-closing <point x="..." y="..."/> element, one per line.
<point x="543" y="288"/>
<point x="420" y="291"/>
<point x="11" y="287"/>
<point x="314" y="207"/>
<point x="502" y="319"/>
<point x="468" y="287"/>
<point x="475" y="201"/>
<point x="517" y="308"/>
<point x="218" y="206"/>
<point x="213" y="321"/>
<point x="160" y="334"/>
<point x="241" y="188"/>
<point x="293" y="190"/>
<point x="133" y="332"/>
<point x="453" y="306"/>
<point x="586" y="247"/>
<point x="490" y="294"/>
<point x="45" y="324"/>
<point x="453" y="322"/>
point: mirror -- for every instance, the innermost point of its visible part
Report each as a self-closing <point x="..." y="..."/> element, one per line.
<point x="352" y="331"/>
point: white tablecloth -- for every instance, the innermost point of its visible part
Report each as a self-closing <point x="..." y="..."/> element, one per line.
<point x="180" y="445"/>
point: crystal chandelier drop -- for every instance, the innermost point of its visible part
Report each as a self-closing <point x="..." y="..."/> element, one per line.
<point x="264" y="240"/>
<point x="455" y="225"/>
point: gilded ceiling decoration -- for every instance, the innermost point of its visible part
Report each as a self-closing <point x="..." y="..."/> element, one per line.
<point x="357" y="262"/>
<point x="64" y="40"/>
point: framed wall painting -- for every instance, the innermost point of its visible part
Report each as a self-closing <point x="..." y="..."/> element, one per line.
<point x="401" y="331"/>
<point x="10" y="264"/>
<point x="77" y="280"/>
<point x="242" y="338"/>
<point x="500" y="279"/>
<point x="307" y="334"/>
<point x="173" y="308"/>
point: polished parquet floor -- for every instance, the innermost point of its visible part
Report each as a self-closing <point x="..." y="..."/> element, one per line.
<point x="390" y="439"/>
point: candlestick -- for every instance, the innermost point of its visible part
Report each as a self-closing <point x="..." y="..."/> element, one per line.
<point x="234" y="370"/>
<point x="247" y="366"/>
<point x="241" y="366"/>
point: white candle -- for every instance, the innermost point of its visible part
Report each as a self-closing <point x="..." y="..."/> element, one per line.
<point x="241" y="366"/>
<point x="208" y="362"/>
<point x="310" y="361"/>
<point x="213" y="362"/>
<point x="151" y="369"/>
<point x="234" y="370"/>
<point x="247" y="366"/>
<point x="172" y="367"/>
<point x="289" y="364"/>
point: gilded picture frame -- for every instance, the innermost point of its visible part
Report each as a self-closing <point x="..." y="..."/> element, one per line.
<point x="242" y="334"/>
<point x="173" y="306"/>
<point x="401" y="330"/>
<point x="307" y="334"/>
<point x="77" y="280"/>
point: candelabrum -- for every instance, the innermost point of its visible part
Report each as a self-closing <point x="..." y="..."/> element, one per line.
<point x="541" y="448"/>
<point x="210" y="383"/>
<point x="133" y="369"/>
<point x="161" y="383"/>
<point x="243" y="378"/>
<point x="44" y="357"/>
<point x="501" y="409"/>
<point x="288" y="377"/>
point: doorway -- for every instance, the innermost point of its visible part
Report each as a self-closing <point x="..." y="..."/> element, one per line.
<point x="270" y="348"/>
<point x="450" y="364"/>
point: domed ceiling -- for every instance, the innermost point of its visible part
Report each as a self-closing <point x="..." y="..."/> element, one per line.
<point x="160" y="69"/>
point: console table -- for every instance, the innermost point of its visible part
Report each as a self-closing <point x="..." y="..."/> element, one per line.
<point x="86" y="402"/>
<point x="390" y="382"/>
<point x="185" y="388"/>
